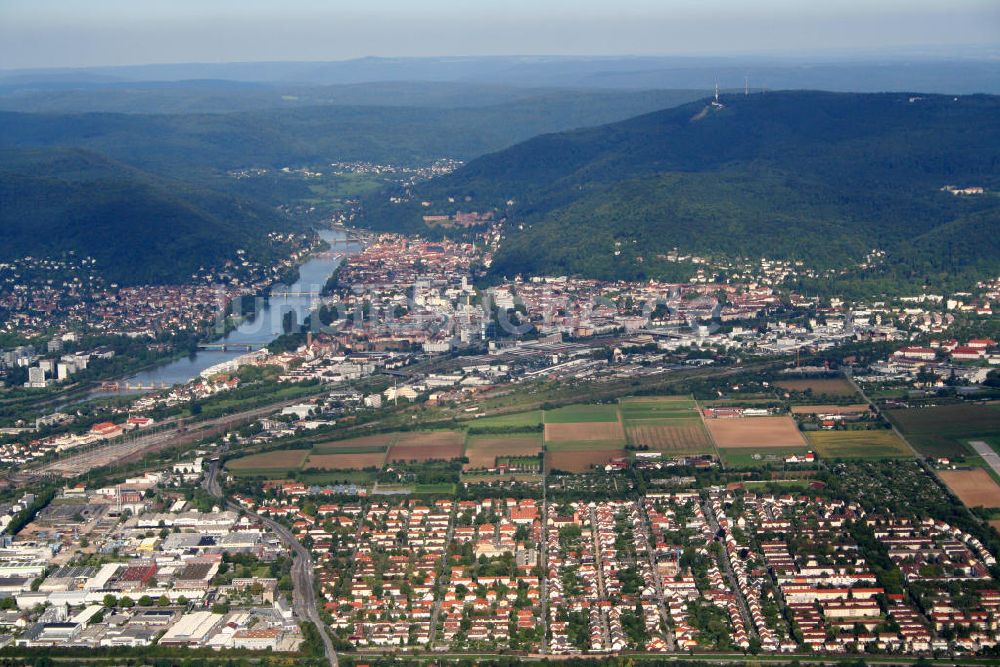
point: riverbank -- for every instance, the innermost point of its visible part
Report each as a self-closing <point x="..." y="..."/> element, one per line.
<point x="267" y="324"/>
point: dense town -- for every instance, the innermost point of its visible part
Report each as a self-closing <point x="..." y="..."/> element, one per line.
<point x="607" y="533"/>
<point x="39" y="296"/>
<point x="716" y="568"/>
<point x="140" y="563"/>
<point x="400" y="302"/>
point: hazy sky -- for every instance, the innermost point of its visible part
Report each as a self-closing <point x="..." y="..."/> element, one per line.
<point x="60" y="33"/>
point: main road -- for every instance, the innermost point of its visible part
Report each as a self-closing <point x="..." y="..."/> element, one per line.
<point x="730" y="575"/>
<point x="303" y="581"/>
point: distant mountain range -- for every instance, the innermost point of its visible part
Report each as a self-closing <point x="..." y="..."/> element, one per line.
<point x="969" y="71"/>
<point x="182" y="142"/>
<point x="813" y="176"/>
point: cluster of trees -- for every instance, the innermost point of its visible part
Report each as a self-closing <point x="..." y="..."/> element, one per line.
<point x="25" y="516"/>
<point x="424" y="472"/>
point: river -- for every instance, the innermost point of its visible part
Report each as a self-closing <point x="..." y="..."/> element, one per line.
<point x="267" y="325"/>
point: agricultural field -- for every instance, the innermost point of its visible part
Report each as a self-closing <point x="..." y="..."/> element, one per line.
<point x="532" y="418"/>
<point x="561" y="433"/>
<point x="582" y="413"/>
<point x="660" y="407"/>
<point x="755" y="432"/>
<point x="483" y="451"/>
<point x="833" y="387"/>
<point x="769" y="457"/>
<point x="853" y="409"/>
<point x="345" y="461"/>
<point x="368" y="443"/>
<point x="946" y="429"/>
<point x="881" y="444"/>
<point x="427" y="446"/>
<point x="583" y="445"/>
<point x="580" y="460"/>
<point x="269" y="462"/>
<point x="671" y="436"/>
<point x="973" y="487"/>
<point x="668" y="424"/>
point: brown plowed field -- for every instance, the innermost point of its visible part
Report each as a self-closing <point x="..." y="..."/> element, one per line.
<point x="828" y="386"/>
<point x="755" y="432"/>
<point x="584" y="431"/>
<point x="282" y="459"/>
<point x="580" y="461"/>
<point x="424" y="446"/>
<point x="973" y="487"/>
<point x="680" y="436"/>
<point x="482" y="452"/>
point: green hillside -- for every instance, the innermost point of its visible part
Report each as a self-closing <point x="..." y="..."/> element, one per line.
<point x="820" y="177"/>
<point x="138" y="227"/>
<point x="149" y="195"/>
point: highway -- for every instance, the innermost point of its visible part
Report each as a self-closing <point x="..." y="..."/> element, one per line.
<point x="303" y="582"/>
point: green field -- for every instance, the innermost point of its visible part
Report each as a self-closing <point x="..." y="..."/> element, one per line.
<point x="280" y="462"/>
<point x="360" y="449"/>
<point x="582" y="413"/>
<point x="881" y="444"/>
<point x="770" y="457"/>
<point x="514" y="420"/>
<point x="944" y="430"/>
<point x="359" y="445"/>
<point x="630" y="415"/>
<point x="663" y="407"/>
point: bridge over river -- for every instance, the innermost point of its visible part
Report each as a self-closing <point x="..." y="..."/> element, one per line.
<point x="232" y="346"/>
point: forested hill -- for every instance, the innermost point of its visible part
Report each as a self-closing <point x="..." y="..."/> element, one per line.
<point x="150" y="196"/>
<point x="140" y="228"/>
<point x="821" y="177"/>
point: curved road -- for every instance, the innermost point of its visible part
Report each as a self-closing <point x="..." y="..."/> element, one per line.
<point x="304" y="590"/>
